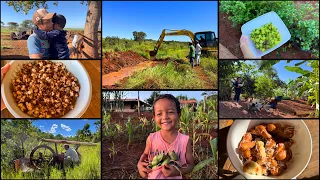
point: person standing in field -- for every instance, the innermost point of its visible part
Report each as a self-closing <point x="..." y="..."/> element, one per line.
<point x="198" y="52"/>
<point x="166" y="113"/>
<point x="38" y="48"/>
<point x="237" y="87"/>
<point x="192" y="54"/>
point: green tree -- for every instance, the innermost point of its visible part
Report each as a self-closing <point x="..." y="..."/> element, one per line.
<point x="139" y="36"/>
<point x="152" y="97"/>
<point x="227" y="70"/>
<point x="59" y="136"/>
<point x="92" y="22"/>
<point x="264" y="87"/>
<point x="27" y="24"/>
<point x="13" y="25"/>
<point x="182" y="97"/>
<point x="97" y="136"/>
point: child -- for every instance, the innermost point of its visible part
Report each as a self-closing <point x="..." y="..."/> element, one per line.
<point x="56" y="37"/>
<point x="166" y="113"/>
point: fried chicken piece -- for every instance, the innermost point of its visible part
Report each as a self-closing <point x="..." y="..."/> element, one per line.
<point x="280" y="153"/>
<point x="262" y="131"/>
<point x="286" y="131"/>
<point x="246" y="143"/>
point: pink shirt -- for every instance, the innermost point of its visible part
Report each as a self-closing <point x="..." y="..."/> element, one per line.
<point x="179" y="146"/>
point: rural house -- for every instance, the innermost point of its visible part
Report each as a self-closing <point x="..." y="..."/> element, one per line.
<point x="188" y="103"/>
<point x="129" y="105"/>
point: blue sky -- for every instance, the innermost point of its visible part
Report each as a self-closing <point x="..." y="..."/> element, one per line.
<point x="64" y="127"/>
<point x="122" y="18"/>
<point x="74" y="12"/>
<point x="284" y="74"/>
<point x="146" y="94"/>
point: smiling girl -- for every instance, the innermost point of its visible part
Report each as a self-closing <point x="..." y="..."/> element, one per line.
<point x="166" y="113"/>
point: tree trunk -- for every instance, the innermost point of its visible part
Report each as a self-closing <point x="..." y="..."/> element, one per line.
<point x="91" y="43"/>
<point x="204" y="103"/>
<point x="138" y="105"/>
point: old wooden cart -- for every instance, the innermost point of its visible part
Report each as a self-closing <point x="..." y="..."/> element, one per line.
<point x="43" y="155"/>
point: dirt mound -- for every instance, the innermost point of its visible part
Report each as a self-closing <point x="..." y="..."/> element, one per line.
<point x="114" y="61"/>
<point x="286" y="109"/>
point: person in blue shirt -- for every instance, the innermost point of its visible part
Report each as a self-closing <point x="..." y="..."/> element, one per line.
<point x="56" y="37"/>
<point x="39" y="48"/>
<point x="237" y="88"/>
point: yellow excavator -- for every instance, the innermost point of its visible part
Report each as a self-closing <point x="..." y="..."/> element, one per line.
<point x="207" y="39"/>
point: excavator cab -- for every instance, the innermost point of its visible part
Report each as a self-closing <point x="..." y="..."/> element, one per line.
<point x="207" y="39"/>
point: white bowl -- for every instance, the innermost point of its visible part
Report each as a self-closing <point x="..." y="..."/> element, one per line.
<point x="73" y="66"/>
<point x="301" y="151"/>
<point x="270" y="17"/>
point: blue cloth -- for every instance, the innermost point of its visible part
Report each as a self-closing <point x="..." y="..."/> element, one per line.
<point x="38" y="46"/>
<point x="58" y="42"/>
<point x="237" y="96"/>
<point x="191" y="61"/>
<point x="237" y="91"/>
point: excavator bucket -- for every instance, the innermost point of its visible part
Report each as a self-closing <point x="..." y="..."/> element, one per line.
<point x="153" y="53"/>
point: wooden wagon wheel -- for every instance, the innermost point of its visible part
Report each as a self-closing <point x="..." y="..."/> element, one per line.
<point x="43" y="156"/>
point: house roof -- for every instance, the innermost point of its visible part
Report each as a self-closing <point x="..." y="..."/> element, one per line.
<point x="190" y="101"/>
<point x="129" y="100"/>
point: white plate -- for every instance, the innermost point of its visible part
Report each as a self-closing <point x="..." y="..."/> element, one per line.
<point x="301" y="151"/>
<point x="73" y="66"/>
<point x="270" y="17"/>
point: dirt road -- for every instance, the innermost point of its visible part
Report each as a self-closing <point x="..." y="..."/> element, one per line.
<point x="119" y="66"/>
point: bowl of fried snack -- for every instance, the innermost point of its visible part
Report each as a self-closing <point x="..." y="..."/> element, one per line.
<point x="269" y="149"/>
<point x="46" y="89"/>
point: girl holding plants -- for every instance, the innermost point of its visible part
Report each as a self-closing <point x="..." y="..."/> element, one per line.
<point x="168" y="153"/>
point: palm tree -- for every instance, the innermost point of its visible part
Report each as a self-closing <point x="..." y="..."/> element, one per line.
<point x="204" y="100"/>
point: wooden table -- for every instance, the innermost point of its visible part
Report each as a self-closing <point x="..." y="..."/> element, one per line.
<point x="93" y="68"/>
<point x="227" y="170"/>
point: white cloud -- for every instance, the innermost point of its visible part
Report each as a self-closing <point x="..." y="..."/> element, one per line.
<point x="41" y="126"/>
<point x="65" y="127"/>
<point x="53" y="128"/>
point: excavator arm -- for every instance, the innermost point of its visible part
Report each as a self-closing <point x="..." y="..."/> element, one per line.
<point x="170" y="32"/>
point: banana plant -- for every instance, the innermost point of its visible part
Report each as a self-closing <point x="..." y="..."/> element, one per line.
<point x="308" y="82"/>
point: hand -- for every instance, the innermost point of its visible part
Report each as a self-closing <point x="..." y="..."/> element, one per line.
<point x="169" y="171"/>
<point x="143" y="170"/>
<point x="4" y="70"/>
<point x="244" y="45"/>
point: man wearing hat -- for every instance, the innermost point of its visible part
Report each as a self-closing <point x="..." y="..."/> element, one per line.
<point x="71" y="156"/>
<point x="38" y="48"/>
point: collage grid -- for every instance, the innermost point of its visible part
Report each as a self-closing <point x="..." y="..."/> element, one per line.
<point x="202" y="101"/>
